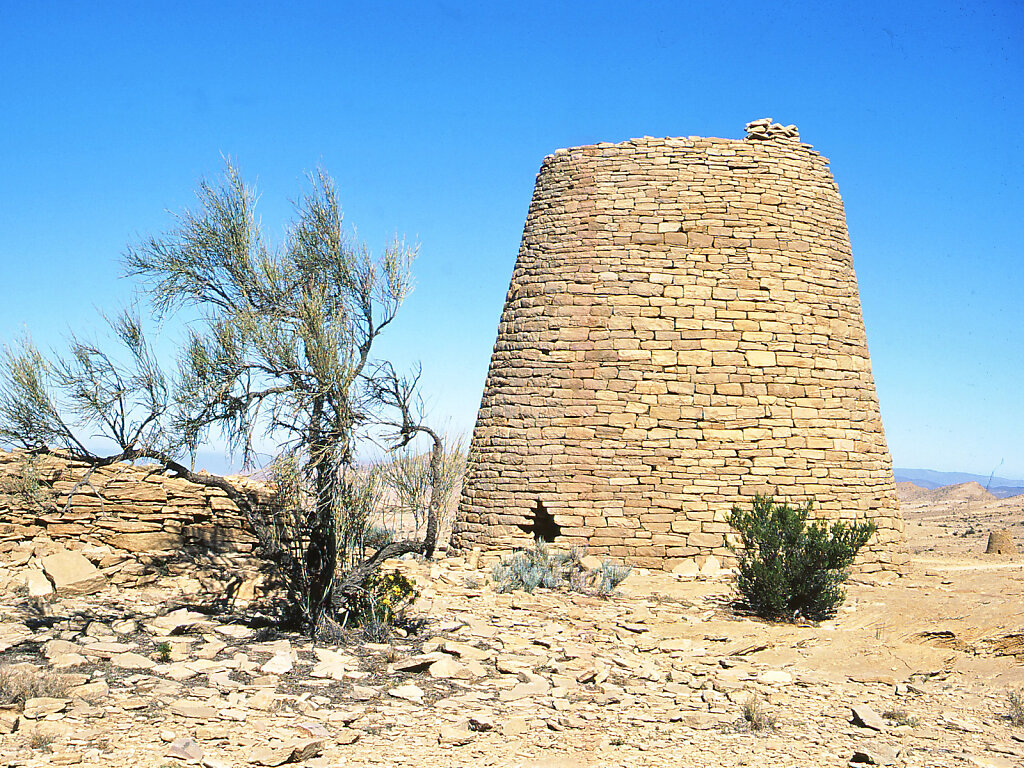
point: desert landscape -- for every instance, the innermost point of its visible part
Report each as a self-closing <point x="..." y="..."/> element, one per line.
<point x="511" y="384"/>
<point x="114" y="657"/>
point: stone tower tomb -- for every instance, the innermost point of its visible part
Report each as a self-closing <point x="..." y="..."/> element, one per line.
<point x="682" y="331"/>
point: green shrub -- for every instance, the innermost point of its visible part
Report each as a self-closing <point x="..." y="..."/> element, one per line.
<point x="789" y="570"/>
<point x="26" y="484"/>
<point x="377" y="536"/>
<point x="164" y="649"/>
<point x="383" y="603"/>
<point x="532" y="568"/>
<point x="610" y="575"/>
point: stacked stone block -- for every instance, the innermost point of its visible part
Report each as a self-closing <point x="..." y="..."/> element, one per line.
<point x="124" y="506"/>
<point x="682" y="331"/>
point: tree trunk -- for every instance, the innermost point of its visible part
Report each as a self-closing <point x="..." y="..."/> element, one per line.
<point x="434" y="510"/>
<point x="321" y="557"/>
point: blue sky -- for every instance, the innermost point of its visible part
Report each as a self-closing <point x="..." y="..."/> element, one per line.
<point x="434" y="118"/>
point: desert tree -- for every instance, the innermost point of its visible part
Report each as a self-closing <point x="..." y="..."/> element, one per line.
<point x="278" y="350"/>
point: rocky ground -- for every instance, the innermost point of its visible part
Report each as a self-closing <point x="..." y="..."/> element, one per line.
<point x="120" y="668"/>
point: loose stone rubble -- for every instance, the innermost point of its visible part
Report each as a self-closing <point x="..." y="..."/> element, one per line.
<point x="658" y="674"/>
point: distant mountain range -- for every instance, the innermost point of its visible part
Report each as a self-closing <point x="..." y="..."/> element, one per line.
<point x="1000" y="487"/>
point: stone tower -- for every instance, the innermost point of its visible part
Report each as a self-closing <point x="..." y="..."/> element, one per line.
<point x="682" y="332"/>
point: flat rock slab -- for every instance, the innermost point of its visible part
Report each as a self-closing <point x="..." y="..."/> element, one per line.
<point x="94" y="693"/>
<point x="9" y="717"/>
<point x="418" y="663"/>
<point x="866" y="717"/>
<point x="157" y="541"/>
<point x="132" y="661"/>
<point x="185" y="748"/>
<point x="874" y="753"/>
<point x="524" y="690"/>
<point x="73" y="574"/>
<point x="193" y="710"/>
<point x="455" y="736"/>
<point x="278" y="664"/>
<point x="43" y="706"/>
<point x="774" y="677"/>
<point x="289" y="752"/>
<point x="449" y="668"/>
<point x="37" y="583"/>
<point x="699" y="721"/>
<point x="466" y="651"/>
<point x="984" y="761"/>
<point x="182" y="617"/>
<point x="408" y="693"/>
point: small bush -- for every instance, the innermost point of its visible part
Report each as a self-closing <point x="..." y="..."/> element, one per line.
<point x="901" y="717"/>
<point x="377" y="536"/>
<point x="383" y="603"/>
<point x="532" y="568"/>
<point x="543" y="567"/>
<point x="164" y="649"/>
<point x="27" y="485"/>
<point x="611" y="575"/>
<point x="41" y="740"/>
<point x="756" y="717"/>
<point x="1015" y="700"/>
<point x="789" y="570"/>
<point x="19" y="685"/>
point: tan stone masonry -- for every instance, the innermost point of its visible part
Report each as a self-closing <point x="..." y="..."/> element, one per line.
<point x="682" y="331"/>
<point x="124" y="506"/>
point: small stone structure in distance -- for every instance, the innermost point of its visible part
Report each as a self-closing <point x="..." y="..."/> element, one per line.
<point x="682" y="331"/>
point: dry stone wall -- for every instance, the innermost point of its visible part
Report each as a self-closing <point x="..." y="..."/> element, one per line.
<point x="682" y="331"/>
<point x="122" y="506"/>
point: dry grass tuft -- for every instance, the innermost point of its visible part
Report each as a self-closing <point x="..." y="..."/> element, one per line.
<point x="19" y="684"/>
<point x="41" y="740"/>
<point x="1015" y="700"/>
<point x="758" y="719"/>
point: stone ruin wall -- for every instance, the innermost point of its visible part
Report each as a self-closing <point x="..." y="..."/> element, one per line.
<point x="140" y="511"/>
<point x="682" y="331"/>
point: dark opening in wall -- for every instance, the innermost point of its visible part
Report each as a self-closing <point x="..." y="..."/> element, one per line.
<point x="543" y="525"/>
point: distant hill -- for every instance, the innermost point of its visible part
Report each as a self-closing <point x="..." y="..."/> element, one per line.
<point x="999" y="487"/>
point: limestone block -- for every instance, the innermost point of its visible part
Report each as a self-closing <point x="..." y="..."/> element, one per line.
<point x="72" y="574"/>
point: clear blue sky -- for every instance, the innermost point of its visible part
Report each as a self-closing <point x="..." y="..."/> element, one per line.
<point x="434" y="118"/>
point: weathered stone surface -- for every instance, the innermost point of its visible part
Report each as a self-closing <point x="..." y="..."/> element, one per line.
<point x="278" y="664"/>
<point x="94" y="693"/>
<point x="72" y="574"/>
<point x="408" y="692"/>
<point x="866" y="717"/>
<point x="193" y="710"/>
<point x="874" y="753"/>
<point x="43" y="706"/>
<point x="144" y="542"/>
<point x="289" y="752"/>
<point x="131" y="660"/>
<point x="682" y="330"/>
<point x="185" y="748"/>
<point x="140" y="511"/>
<point x="9" y="717"/>
<point x="37" y="583"/>
<point x="455" y="736"/>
